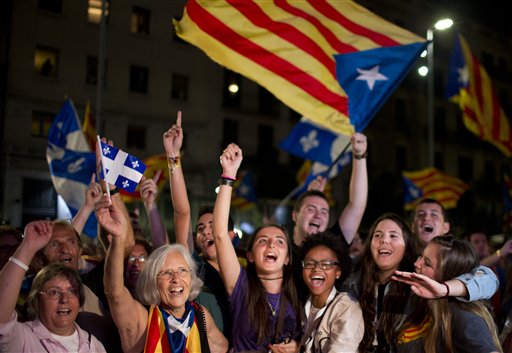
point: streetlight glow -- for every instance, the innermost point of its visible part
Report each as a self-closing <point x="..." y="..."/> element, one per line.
<point x="445" y="23"/>
<point x="423" y="71"/>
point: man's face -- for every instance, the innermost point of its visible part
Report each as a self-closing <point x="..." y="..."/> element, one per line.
<point x="479" y="242"/>
<point x="63" y="247"/>
<point x="205" y="238"/>
<point x="429" y="222"/>
<point x="313" y="215"/>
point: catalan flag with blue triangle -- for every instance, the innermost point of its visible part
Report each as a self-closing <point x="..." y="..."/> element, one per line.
<point x="244" y="193"/>
<point x="434" y="184"/>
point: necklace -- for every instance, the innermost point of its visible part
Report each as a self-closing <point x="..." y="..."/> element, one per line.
<point x="269" y="279"/>
<point x="272" y="309"/>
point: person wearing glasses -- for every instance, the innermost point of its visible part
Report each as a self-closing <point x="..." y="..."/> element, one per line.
<point x="167" y="285"/>
<point x="56" y="296"/>
<point x="332" y="321"/>
<point x="135" y="263"/>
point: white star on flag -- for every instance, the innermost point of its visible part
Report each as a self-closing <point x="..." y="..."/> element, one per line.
<point x="370" y="76"/>
<point x="463" y="75"/>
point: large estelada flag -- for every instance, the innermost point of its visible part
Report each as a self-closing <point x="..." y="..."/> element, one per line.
<point x="433" y="184"/>
<point x="327" y="60"/>
<point x="470" y="86"/>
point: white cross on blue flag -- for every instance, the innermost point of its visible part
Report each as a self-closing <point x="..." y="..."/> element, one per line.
<point x="122" y="169"/>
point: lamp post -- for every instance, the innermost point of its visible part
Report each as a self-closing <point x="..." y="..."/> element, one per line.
<point x="439" y="25"/>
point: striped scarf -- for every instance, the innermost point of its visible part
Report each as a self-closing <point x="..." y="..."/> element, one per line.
<point x="160" y="338"/>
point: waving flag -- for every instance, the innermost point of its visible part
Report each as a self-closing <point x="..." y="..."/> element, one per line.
<point x="432" y="183"/>
<point x="71" y="162"/>
<point x="469" y="85"/>
<point x="327" y="60"/>
<point x="244" y="193"/>
<point x="121" y="169"/>
<point x="153" y="164"/>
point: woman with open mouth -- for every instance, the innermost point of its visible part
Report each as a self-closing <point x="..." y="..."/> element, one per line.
<point x="167" y="284"/>
<point x="332" y="321"/>
<point x="262" y="298"/>
<point x="56" y="296"/>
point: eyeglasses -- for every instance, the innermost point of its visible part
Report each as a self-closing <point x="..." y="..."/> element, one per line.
<point x="168" y="274"/>
<point x="55" y="293"/>
<point x="140" y="258"/>
<point x="323" y="264"/>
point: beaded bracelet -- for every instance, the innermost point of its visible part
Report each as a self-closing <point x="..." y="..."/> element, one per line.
<point x="173" y="163"/>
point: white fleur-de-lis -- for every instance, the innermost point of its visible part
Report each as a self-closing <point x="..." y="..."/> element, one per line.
<point x="106" y="150"/>
<point x="135" y="164"/>
<point x="125" y="184"/>
<point x="309" y="141"/>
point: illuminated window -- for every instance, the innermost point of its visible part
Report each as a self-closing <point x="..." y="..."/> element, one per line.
<point x="179" y="88"/>
<point x="140" y="20"/>
<point x="139" y="79"/>
<point x="41" y="122"/>
<point x="54" y="6"/>
<point x="46" y="62"/>
<point x="94" y="11"/>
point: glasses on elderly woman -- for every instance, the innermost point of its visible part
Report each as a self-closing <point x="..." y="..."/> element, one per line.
<point x="140" y="258"/>
<point x="56" y="293"/>
<point x="323" y="264"/>
<point x="168" y="274"/>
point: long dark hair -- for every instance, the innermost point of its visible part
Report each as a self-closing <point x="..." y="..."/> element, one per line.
<point x="394" y="302"/>
<point x="256" y="298"/>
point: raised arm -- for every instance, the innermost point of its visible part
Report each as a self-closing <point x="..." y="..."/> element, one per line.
<point x="229" y="267"/>
<point x="350" y="218"/>
<point x="173" y="140"/>
<point x="37" y="235"/>
<point x="128" y="314"/>
<point x="149" y="192"/>
<point x="499" y="254"/>
<point x="92" y="195"/>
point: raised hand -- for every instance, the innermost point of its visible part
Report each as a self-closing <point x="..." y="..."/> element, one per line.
<point x="230" y="160"/>
<point x="317" y="184"/>
<point x="149" y="189"/>
<point x="93" y="192"/>
<point x="359" y="144"/>
<point x="37" y="235"/>
<point x="173" y="138"/>
<point x="111" y="217"/>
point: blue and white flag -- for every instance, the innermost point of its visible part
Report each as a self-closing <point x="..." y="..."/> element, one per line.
<point x="308" y="140"/>
<point x="121" y="169"/>
<point x="71" y="162"/>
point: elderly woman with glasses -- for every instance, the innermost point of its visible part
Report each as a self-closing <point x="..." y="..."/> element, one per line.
<point x="56" y="296"/>
<point x="167" y="285"/>
<point x="332" y="321"/>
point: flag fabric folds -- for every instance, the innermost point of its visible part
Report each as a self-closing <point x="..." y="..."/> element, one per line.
<point x="153" y="164"/>
<point x="71" y="161"/>
<point x="434" y="184"/>
<point x="296" y="50"/>
<point x="89" y="127"/>
<point x="244" y="193"/>
<point x="470" y="86"/>
<point x="121" y="169"/>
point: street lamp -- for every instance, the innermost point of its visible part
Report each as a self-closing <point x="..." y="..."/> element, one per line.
<point x="439" y="25"/>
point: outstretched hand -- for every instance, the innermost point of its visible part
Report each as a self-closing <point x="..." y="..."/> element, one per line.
<point x="111" y="217"/>
<point x="359" y="144"/>
<point x="173" y="138"/>
<point x="149" y="189"/>
<point x="423" y="286"/>
<point x="230" y="160"/>
<point x="37" y="234"/>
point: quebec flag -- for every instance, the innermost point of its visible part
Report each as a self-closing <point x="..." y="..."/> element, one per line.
<point x="71" y="162"/>
<point x="120" y="168"/>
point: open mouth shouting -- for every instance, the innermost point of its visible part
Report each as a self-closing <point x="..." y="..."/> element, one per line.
<point x="176" y="291"/>
<point x="62" y="312"/>
<point x="270" y="257"/>
<point x="316" y="281"/>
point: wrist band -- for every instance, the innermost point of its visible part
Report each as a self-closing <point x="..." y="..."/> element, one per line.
<point x="447" y="290"/>
<point x="360" y="156"/>
<point x="114" y="191"/>
<point x="227" y="177"/>
<point x="173" y="163"/>
<point x="19" y="263"/>
<point x="228" y="182"/>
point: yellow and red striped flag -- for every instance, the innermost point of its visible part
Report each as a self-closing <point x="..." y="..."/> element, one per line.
<point x="154" y="164"/>
<point x="470" y="86"/>
<point x="294" y="50"/>
<point x="433" y="184"/>
<point x="89" y="127"/>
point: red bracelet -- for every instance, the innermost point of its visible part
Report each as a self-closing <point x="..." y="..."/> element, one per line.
<point x="447" y="290"/>
<point x="227" y="177"/>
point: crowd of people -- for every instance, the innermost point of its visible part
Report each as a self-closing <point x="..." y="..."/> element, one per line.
<point x="402" y="287"/>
